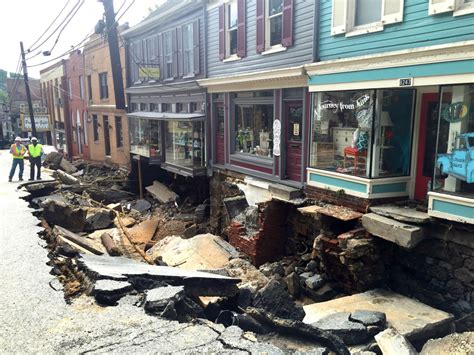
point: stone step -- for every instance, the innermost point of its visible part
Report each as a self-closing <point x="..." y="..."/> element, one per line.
<point x="284" y="192"/>
<point x="402" y="214"/>
<point x="402" y="234"/>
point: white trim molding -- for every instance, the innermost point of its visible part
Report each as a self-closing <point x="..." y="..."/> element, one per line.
<point x="459" y="207"/>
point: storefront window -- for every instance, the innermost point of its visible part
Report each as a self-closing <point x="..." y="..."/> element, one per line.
<point x="145" y="137"/>
<point x="454" y="172"/>
<point x="253" y="129"/>
<point x="185" y="144"/>
<point x="220" y="119"/>
<point x="363" y="133"/>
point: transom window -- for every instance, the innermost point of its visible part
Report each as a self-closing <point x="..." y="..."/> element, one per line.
<point x="188" y="49"/>
<point x="231" y="29"/>
<point x="274" y="22"/>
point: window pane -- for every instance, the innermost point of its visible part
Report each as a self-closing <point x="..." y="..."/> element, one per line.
<point x="220" y="119"/>
<point x="232" y="18"/>
<point x="275" y="30"/>
<point x="454" y="172"/>
<point x="179" y="143"/>
<point x="253" y="129"/>
<point x="392" y="150"/>
<point x="276" y="6"/>
<point x="198" y="144"/>
<point x="118" y="131"/>
<point x="155" y="139"/>
<point x="342" y="127"/>
<point x="367" y="11"/>
<point x="232" y="42"/>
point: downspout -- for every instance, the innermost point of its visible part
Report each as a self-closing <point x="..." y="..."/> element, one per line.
<point x="316" y="31"/>
<point x="208" y="126"/>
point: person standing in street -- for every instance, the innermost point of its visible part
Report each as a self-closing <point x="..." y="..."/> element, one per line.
<point x="35" y="150"/>
<point x="18" y="151"/>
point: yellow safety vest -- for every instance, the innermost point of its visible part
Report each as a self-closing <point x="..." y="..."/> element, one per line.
<point x="18" y="152"/>
<point x="35" y="152"/>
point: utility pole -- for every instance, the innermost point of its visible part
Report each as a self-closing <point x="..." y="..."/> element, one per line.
<point x="28" y="94"/>
<point x="112" y="37"/>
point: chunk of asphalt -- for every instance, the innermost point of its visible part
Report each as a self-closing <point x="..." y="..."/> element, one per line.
<point x="369" y="318"/>
<point x="108" y="292"/>
<point x="352" y="333"/>
<point x="159" y="300"/>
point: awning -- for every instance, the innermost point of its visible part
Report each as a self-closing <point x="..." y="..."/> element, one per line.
<point x="167" y="116"/>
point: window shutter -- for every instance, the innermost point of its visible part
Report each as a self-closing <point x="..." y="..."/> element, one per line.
<point x="221" y="32"/>
<point x="196" y="46"/>
<point x="180" y="53"/>
<point x="339" y="17"/>
<point x="157" y="60"/>
<point x="260" y="26"/>
<point x="440" y="6"/>
<point x="241" y="34"/>
<point x="392" y="11"/>
<point x="174" y="46"/>
<point x="287" y="35"/>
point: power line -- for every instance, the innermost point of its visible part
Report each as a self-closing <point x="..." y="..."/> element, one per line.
<point x="57" y="28"/>
<point x="47" y="29"/>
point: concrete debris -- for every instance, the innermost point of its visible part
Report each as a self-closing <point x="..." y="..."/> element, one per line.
<point x="53" y="160"/>
<point x="65" y="178"/>
<point x="141" y="205"/>
<point x="243" y="321"/>
<point x="41" y="188"/>
<point x="402" y="214"/>
<point x="402" y="234"/>
<point x="108" y="196"/>
<point x="338" y="212"/>
<point x="61" y="214"/>
<point x="453" y="344"/>
<point x="314" y="282"/>
<point x="393" y="343"/>
<point x="275" y="299"/>
<point x="161" y="192"/>
<point x="67" y="166"/>
<point x="284" y="192"/>
<point x="108" y="292"/>
<point x="369" y="318"/>
<point x="202" y="252"/>
<point x="270" y="269"/>
<point x="83" y="242"/>
<point x="235" y="206"/>
<point x="161" y="300"/>
<point x="409" y="317"/>
<point x="98" y="218"/>
<point x="293" y="284"/>
<point x="140" y="275"/>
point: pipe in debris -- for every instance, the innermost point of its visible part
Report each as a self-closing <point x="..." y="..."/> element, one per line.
<point x="243" y="321"/>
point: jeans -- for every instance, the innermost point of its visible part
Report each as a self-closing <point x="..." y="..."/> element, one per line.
<point x="16" y="162"/>
<point x="35" y="162"/>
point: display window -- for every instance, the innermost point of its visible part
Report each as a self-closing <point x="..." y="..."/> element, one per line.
<point x="145" y="137"/>
<point x="365" y="133"/>
<point x="253" y="129"/>
<point x="454" y="167"/>
<point x="185" y="144"/>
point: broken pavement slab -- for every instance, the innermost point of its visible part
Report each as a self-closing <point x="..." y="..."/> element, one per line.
<point x="201" y="252"/>
<point x="409" y="317"/>
<point x="141" y="275"/>
<point x="402" y="234"/>
<point x="161" y="192"/>
<point x="391" y="342"/>
<point x="338" y="212"/>
<point x="402" y="214"/>
<point x="108" y="292"/>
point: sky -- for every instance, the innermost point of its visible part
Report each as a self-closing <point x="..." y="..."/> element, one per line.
<point x="26" y="20"/>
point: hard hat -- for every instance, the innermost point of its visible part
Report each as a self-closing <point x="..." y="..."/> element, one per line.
<point x="18" y="139"/>
<point x="34" y="139"/>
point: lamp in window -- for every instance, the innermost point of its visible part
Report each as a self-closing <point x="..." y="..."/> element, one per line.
<point x="385" y="124"/>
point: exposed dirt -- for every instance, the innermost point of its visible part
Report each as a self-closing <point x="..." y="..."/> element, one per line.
<point x="453" y="344"/>
<point x="171" y="227"/>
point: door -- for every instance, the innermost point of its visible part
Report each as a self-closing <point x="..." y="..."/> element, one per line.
<point x="107" y="136"/>
<point x="220" y="146"/>
<point x="426" y="144"/>
<point x="294" y="134"/>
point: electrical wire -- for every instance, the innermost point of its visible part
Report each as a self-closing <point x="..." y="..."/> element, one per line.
<point x="65" y="25"/>
<point x="57" y="28"/>
<point x="51" y="24"/>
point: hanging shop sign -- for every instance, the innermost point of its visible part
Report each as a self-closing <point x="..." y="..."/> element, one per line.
<point x="454" y="112"/>
<point x="149" y="72"/>
<point x="276" y="137"/>
<point x="41" y="123"/>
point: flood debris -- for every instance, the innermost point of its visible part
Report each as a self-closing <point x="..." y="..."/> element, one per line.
<point x="161" y="192"/>
<point x="392" y="342"/>
<point x="108" y="292"/>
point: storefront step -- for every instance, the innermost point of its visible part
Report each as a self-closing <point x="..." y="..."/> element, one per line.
<point x="284" y="192"/>
<point x="402" y="234"/>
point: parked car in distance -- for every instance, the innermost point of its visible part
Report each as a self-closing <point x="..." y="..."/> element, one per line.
<point x="460" y="162"/>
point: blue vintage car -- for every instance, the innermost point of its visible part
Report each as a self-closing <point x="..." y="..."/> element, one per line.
<point x="460" y="162"/>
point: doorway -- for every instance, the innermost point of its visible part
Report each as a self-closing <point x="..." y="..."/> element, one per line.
<point x="107" y="136"/>
<point x="294" y="121"/>
<point x="426" y="144"/>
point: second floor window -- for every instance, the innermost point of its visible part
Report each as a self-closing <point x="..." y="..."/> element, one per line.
<point x="81" y="87"/>
<point x="188" y="49"/>
<point x="231" y="30"/>
<point x="89" y="87"/>
<point x="104" y="88"/>
<point x="274" y="22"/>
<point x="168" y="54"/>
<point x="274" y="25"/>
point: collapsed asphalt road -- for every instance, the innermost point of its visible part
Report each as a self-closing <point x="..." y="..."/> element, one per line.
<point x="35" y="318"/>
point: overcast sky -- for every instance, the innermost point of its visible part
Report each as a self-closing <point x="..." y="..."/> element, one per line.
<point x="25" y="20"/>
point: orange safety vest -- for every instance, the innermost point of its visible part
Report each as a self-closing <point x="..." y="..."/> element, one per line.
<point x="17" y="152"/>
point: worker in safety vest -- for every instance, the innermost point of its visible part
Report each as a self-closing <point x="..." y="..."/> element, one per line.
<point x="35" y="150"/>
<point x="18" y="151"/>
